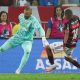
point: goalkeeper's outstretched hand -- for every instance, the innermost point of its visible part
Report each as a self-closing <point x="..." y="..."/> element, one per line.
<point x="45" y="42"/>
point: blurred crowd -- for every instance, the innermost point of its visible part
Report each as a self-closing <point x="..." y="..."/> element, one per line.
<point x="37" y="2"/>
<point x="7" y="29"/>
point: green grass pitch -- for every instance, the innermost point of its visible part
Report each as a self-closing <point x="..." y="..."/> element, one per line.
<point x="43" y="76"/>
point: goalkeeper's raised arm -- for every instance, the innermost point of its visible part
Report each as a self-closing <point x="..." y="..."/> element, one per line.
<point x="38" y="26"/>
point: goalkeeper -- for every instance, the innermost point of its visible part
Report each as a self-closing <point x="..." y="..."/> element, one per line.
<point x="24" y="36"/>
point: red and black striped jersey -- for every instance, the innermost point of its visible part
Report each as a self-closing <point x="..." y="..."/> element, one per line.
<point x="72" y="26"/>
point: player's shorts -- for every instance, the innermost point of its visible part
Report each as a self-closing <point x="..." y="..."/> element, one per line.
<point x="58" y="47"/>
<point x="69" y="51"/>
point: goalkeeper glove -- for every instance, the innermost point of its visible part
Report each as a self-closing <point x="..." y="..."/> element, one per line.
<point x="45" y="42"/>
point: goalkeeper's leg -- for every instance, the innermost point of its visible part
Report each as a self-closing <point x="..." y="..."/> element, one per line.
<point x="27" y="49"/>
<point x="5" y="46"/>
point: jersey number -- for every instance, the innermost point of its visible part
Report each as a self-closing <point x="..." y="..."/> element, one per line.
<point x="75" y="33"/>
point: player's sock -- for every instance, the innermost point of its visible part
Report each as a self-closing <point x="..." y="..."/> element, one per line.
<point x="74" y="62"/>
<point x="51" y="60"/>
<point x="23" y="61"/>
<point x="50" y="55"/>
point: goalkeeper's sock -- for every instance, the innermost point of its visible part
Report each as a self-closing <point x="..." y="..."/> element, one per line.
<point x="23" y="61"/>
<point x="74" y="62"/>
<point x="17" y="71"/>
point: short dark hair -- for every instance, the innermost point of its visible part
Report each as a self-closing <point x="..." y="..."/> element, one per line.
<point x="68" y="13"/>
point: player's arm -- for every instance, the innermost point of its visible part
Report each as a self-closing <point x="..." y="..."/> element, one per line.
<point x="21" y="18"/>
<point x="42" y="33"/>
<point x="48" y="32"/>
<point x="66" y="35"/>
<point x="49" y="29"/>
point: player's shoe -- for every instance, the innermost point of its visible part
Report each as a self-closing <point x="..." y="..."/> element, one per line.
<point x="17" y="72"/>
<point x="1" y="50"/>
<point x="51" y="68"/>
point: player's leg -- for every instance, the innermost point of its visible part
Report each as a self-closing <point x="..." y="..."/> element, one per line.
<point x="50" y="55"/>
<point x="27" y="49"/>
<point x="52" y="49"/>
<point x="74" y="62"/>
<point x="51" y="60"/>
<point x="5" y="46"/>
<point x="70" y="59"/>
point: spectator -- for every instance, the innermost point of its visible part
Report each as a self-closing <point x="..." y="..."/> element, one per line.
<point x="22" y="2"/>
<point x="5" y="25"/>
<point x="48" y="2"/>
<point x="55" y="24"/>
<point x="6" y="2"/>
<point x="34" y="3"/>
<point x="61" y="2"/>
<point x="69" y="2"/>
<point x="15" y="28"/>
<point x="55" y="2"/>
<point x="52" y="2"/>
<point x="43" y="2"/>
